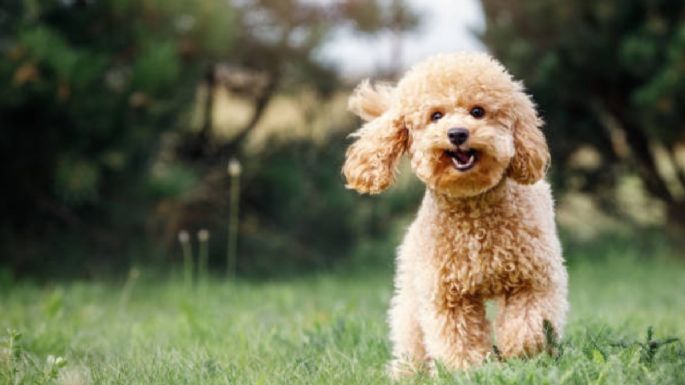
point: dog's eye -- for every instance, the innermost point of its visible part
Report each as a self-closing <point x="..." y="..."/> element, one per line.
<point x="437" y="115"/>
<point x="477" y="112"/>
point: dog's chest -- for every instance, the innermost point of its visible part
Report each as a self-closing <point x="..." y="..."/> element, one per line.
<point x="483" y="252"/>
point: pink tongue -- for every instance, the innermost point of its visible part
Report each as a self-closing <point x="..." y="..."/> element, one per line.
<point x="462" y="156"/>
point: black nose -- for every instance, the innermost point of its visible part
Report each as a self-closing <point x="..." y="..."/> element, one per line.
<point x="458" y="135"/>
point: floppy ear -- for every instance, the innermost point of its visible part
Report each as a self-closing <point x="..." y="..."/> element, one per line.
<point x="531" y="159"/>
<point x="369" y="102"/>
<point x="371" y="161"/>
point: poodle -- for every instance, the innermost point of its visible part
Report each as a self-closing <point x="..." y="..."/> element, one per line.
<point x="485" y="229"/>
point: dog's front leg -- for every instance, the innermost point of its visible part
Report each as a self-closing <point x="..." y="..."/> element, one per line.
<point x="409" y="354"/>
<point x="521" y="319"/>
<point x="456" y="332"/>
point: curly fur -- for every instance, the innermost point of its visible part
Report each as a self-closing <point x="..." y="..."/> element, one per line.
<point x="486" y="233"/>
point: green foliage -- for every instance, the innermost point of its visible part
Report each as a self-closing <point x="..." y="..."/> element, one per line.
<point x="296" y="209"/>
<point x="170" y="181"/>
<point x="608" y="75"/>
<point x="322" y="329"/>
<point x="96" y="106"/>
<point x="88" y="88"/>
<point x="371" y="16"/>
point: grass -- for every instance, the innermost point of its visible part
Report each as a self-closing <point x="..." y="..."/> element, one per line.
<point x="322" y="330"/>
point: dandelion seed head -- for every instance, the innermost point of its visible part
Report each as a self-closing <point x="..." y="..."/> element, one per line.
<point x="183" y="236"/>
<point x="234" y="167"/>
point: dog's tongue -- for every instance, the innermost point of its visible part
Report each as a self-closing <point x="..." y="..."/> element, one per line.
<point x="462" y="156"/>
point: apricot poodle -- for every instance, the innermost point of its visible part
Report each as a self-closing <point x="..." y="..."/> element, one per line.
<point x="485" y="229"/>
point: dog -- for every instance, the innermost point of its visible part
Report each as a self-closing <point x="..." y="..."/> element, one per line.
<point x="485" y="229"/>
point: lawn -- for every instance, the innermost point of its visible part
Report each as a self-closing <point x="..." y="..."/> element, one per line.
<point x="323" y="329"/>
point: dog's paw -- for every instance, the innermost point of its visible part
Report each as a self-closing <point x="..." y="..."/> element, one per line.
<point x="398" y="369"/>
<point x="521" y="341"/>
<point x="401" y="368"/>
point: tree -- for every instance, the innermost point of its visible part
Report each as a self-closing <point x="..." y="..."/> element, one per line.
<point x="88" y="88"/>
<point x="607" y="75"/>
<point x="277" y="47"/>
<point x="275" y="53"/>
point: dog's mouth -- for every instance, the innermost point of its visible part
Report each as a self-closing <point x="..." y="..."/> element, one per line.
<point x="463" y="159"/>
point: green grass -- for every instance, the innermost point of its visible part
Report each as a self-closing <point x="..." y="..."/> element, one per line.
<point x="322" y="330"/>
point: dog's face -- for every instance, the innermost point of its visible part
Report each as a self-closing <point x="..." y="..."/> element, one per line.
<point x="461" y="118"/>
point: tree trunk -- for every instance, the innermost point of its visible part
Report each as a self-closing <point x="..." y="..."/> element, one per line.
<point x="679" y="172"/>
<point x="197" y="145"/>
<point x="208" y="108"/>
<point x="676" y="217"/>
<point x="638" y="142"/>
<point x="654" y="183"/>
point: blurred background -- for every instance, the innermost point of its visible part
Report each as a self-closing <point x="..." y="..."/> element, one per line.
<point x="119" y="119"/>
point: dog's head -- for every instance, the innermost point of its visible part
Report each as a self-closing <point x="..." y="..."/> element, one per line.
<point x="461" y="118"/>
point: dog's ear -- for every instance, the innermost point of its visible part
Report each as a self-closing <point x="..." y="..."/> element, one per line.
<point x="371" y="161"/>
<point x="368" y="101"/>
<point x="532" y="158"/>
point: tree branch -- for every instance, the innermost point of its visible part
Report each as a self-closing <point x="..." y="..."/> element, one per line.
<point x="679" y="172"/>
<point x="261" y="103"/>
<point x="208" y="107"/>
<point x="638" y="142"/>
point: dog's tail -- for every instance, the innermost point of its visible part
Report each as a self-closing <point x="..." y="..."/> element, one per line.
<point x="370" y="101"/>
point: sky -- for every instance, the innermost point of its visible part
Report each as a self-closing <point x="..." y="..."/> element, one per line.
<point x="446" y="26"/>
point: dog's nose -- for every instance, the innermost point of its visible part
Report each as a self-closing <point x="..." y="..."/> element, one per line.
<point x="458" y="135"/>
